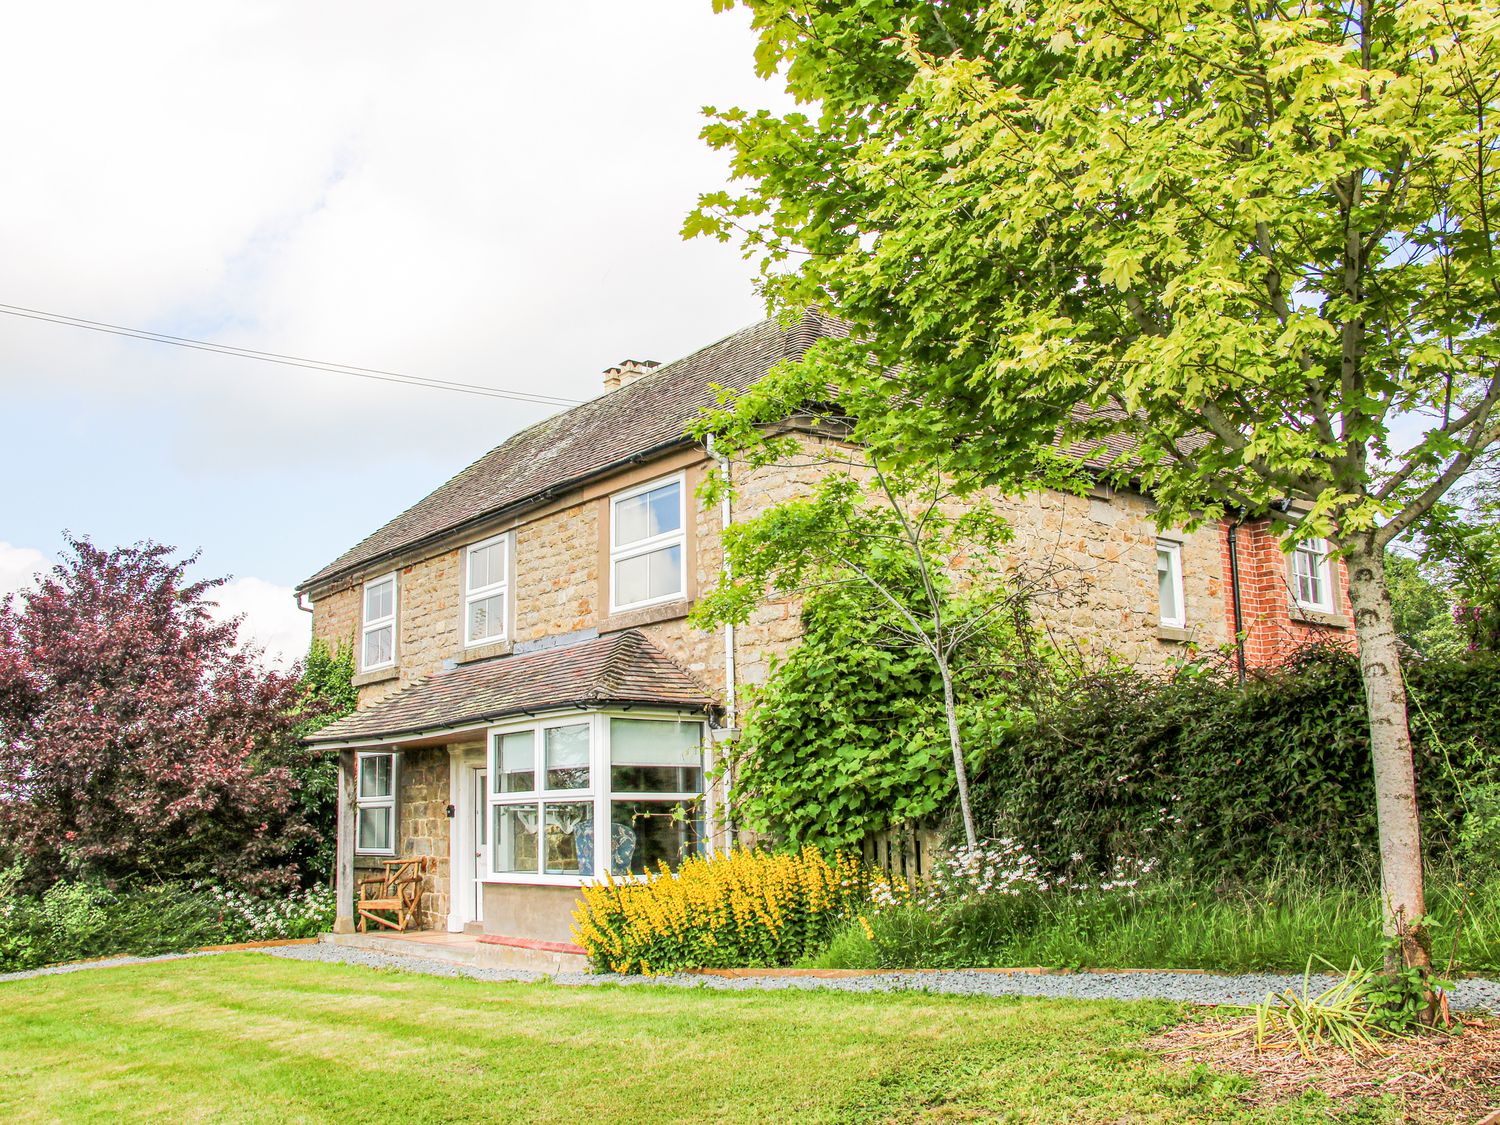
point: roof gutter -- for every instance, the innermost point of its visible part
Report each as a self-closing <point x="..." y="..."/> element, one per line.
<point x="1234" y="588"/>
<point x="479" y="723"/>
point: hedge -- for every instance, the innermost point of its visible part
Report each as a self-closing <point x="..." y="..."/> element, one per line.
<point x="1224" y="780"/>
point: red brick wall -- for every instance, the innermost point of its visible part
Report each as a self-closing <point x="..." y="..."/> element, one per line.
<point x="1274" y="627"/>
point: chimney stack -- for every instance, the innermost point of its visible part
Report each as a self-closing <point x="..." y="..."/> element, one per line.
<point x="627" y="371"/>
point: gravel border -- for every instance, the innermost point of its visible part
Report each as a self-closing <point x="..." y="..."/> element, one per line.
<point x="1192" y="988"/>
<point x="105" y="963"/>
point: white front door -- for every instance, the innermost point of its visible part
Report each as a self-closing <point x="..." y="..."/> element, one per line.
<point x="480" y="836"/>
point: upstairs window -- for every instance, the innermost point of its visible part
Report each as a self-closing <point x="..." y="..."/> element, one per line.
<point x="1169" y="583"/>
<point x="647" y="544"/>
<point x="486" y="590"/>
<point x="1312" y="576"/>
<point x="378" y="645"/>
<point x="375" y="804"/>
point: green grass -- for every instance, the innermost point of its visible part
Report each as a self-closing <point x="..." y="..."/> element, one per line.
<point x="250" y="1038"/>
<point x="1276" y="925"/>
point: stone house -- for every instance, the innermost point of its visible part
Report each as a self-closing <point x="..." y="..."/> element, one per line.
<point x="535" y="710"/>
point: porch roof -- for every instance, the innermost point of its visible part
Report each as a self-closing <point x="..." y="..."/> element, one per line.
<point x="621" y="668"/>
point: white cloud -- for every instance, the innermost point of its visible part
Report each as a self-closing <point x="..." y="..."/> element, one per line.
<point x="19" y="567"/>
<point x="480" y="192"/>
<point x="472" y="191"/>
<point x="272" y="622"/>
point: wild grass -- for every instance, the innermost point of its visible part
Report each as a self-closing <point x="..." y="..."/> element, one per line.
<point x="1272" y="925"/>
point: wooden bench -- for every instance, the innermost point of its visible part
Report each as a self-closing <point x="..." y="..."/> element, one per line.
<point x="397" y="890"/>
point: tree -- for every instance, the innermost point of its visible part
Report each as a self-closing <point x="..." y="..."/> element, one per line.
<point x="848" y="734"/>
<point x="911" y="569"/>
<point x="1244" y="253"/>
<point x="1462" y="543"/>
<point x="136" y="739"/>
<point x="1422" y="611"/>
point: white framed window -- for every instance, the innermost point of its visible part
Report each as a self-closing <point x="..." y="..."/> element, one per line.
<point x="655" y="782"/>
<point x="648" y="544"/>
<point x="375" y="804"/>
<point x="1312" y="576"/>
<point x="486" y="590"/>
<point x="554" y="783"/>
<point x="378" y="628"/>
<point x="1169" y="583"/>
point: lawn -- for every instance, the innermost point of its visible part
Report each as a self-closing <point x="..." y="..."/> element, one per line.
<point x="246" y="1037"/>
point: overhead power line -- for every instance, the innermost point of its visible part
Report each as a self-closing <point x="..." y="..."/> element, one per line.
<point x="288" y="360"/>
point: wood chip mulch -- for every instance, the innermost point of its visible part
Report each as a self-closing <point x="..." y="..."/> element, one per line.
<point x="1432" y="1078"/>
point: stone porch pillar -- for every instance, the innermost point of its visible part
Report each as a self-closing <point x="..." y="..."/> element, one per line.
<point x="343" y="922"/>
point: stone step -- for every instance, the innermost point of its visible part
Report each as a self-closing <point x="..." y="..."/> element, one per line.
<point x="497" y="951"/>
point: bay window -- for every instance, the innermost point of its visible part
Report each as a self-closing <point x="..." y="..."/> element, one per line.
<point x="378" y="624"/>
<point x="486" y="590"/>
<point x="647" y="544"/>
<point x="655" y="775"/>
<point x="1312" y="576"/>
<point x="375" y="804"/>
<point x="581" y="796"/>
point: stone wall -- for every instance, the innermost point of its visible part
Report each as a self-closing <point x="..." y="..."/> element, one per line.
<point x="1101" y="549"/>
<point x="1100" y="553"/>
<point x="422" y="830"/>
<point x="336" y="619"/>
<point x="430" y="619"/>
<point x="556" y="572"/>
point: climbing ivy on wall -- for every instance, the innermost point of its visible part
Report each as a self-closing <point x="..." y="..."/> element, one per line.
<point x="848" y="734"/>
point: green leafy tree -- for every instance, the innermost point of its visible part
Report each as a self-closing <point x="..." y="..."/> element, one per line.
<point x="1462" y="541"/>
<point x="910" y="572"/>
<point x="1225" y="246"/>
<point x="848" y="735"/>
<point x="1422" y="609"/>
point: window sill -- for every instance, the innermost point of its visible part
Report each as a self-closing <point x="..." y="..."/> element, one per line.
<point x="1175" y="634"/>
<point x="1319" y="617"/>
<point x="379" y="676"/>
<point x="577" y="882"/>
<point x="646" y="615"/>
<point x="486" y="651"/>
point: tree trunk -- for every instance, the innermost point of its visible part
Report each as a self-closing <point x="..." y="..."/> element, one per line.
<point x="956" y="744"/>
<point x="1390" y="751"/>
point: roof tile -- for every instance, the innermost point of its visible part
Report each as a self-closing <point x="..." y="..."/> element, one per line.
<point x="622" y="667"/>
<point x="649" y="414"/>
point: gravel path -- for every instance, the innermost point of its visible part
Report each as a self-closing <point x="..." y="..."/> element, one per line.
<point x="102" y="963"/>
<point x="1193" y="988"/>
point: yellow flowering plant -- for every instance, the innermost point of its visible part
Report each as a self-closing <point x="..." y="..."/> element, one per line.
<point x="741" y="909"/>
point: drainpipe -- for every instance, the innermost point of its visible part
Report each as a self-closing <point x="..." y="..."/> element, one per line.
<point x="731" y="708"/>
<point x="1234" y="588"/>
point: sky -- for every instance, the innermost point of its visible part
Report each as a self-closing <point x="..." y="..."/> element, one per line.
<point x="478" y="192"/>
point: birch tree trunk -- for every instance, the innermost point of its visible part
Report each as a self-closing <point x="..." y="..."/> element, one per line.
<point x="1390" y="750"/>
<point x="955" y="743"/>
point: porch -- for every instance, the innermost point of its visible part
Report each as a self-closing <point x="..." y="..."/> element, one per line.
<point x="512" y="783"/>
